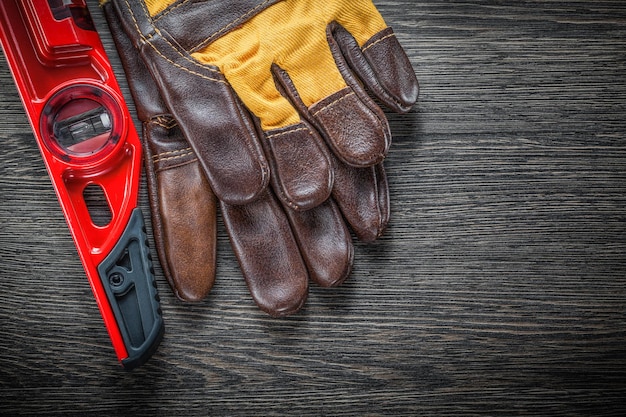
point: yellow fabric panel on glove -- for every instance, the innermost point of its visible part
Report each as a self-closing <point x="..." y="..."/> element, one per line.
<point x="288" y="34"/>
<point x="157" y="6"/>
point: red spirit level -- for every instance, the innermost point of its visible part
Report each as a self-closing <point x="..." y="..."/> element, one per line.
<point x="93" y="156"/>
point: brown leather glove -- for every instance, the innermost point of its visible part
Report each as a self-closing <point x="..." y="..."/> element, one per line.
<point x="276" y="242"/>
<point x="184" y="216"/>
<point x="294" y="68"/>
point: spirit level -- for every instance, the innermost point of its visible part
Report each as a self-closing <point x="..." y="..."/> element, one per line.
<point x="87" y="140"/>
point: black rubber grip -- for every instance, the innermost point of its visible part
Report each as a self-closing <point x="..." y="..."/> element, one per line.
<point x="128" y="278"/>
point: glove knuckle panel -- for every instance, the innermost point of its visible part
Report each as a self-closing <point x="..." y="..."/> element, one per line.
<point x="354" y="127"/>
<point x="393" y="71"/>
<point x="305" y="184"/>
<point x="380" y="63"/>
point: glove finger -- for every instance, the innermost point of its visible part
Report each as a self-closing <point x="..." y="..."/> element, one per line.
<point x="268" y="254"/>
<point x="353" y="126"/>
<point x="183" y="211"/>
<point x="363" y="197"/>
<point x="211" y="117"/>
<point x="380" y="63"/>
<point x="182" y="205"/>
<point x="324" y="242"/>
<point x="302" y="174"/>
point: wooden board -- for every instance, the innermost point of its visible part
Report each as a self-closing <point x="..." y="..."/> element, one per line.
<point x="498" y="289"/>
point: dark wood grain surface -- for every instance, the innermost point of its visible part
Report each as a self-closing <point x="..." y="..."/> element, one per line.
<point x="498" y="289"/>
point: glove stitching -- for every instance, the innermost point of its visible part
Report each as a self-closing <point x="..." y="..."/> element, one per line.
<point x="175" y="157"/>
<point x="378" y="41"/>
<point x="168" y="153"/>
<point x="316" y="112"/>
<point x="147" y="41"/>
<point x="285" y="199"/>
<point x="293" y="130"/>
<point x="176" y="165"/>
<point x="164" y="122"/>
<point x="229" y="25"/>
<point x="161" y="158"/>
<point x="189" y="60"/>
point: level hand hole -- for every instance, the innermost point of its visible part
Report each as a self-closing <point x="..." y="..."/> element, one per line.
<point x="97" y="205"/>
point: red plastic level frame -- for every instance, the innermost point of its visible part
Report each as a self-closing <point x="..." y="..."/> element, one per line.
<point x="88" y="142"/>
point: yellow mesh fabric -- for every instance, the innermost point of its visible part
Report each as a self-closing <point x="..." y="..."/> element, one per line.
<point x="291" y="34"/>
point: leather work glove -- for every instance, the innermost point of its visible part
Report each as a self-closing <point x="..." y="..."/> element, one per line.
<point x="296" y="66"/>
<point x="279" y="242"/>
